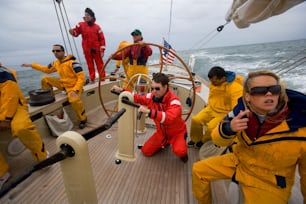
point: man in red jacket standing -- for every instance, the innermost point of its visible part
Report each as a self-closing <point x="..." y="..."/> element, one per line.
<point x="93" y="43"/>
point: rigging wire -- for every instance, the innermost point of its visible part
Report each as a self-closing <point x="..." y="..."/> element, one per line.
<point x="281" y="68"/>
<point x="169" y="31"/>
<point x="211" y="35"/>
<point x="77" y="52"/>
<point x="203" y="41"/>
<point x="170" y="21"/>
<point x="207" y="38"/>
<point x="59" y="22"/>
<point x="62" y="23"/>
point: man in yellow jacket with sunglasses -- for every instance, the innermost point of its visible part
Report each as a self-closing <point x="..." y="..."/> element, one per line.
<point x="71" y="79"/>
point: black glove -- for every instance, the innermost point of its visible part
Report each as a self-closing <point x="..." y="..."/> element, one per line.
<point x="93" y="50"/>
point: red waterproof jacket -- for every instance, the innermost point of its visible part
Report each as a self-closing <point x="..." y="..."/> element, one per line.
<point x="166" y="113"/>
<point x="138" y="54"/>
<point x="92" y="36"/>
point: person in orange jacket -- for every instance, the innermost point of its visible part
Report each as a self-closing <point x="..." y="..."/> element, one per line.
<point x="93" y="43"/>
<point x="164" y="107"/>
<point x="14" y="115"/>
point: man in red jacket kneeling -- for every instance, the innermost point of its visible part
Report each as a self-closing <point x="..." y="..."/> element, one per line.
<point x="165" y="109"/>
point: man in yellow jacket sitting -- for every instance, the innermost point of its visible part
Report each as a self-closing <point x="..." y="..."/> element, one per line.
<point x="14" y="115"/>
<point x="71" y="79"/>
<point x="224" y="90"/>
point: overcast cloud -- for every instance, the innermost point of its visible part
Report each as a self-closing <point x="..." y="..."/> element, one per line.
<point x="30" y="28"/>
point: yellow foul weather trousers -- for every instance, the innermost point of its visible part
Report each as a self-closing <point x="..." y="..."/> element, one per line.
<point x="48" y="82"/>
<point x="224" y="167"/>
<point x="206" y="117"/>
<point x="132" y="70"/>
<point x="23" y="128"/>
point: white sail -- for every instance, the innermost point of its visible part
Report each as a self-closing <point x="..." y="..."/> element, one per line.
<point x="245" y="12"/>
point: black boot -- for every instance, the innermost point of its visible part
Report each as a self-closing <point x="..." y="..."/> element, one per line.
<point x="184" y="159"/>
<point x="83" y="124"/>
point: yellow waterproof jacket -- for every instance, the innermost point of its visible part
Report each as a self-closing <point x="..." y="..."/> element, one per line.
<point x="270" y="161"/>
<point x="11" y="97"/>
<point x="223" y="98"/>
<point x="70" y="72"/>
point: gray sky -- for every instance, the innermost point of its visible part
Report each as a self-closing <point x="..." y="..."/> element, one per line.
<point x="30" y="28"/>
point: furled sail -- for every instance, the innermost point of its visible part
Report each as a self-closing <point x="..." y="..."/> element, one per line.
<point x="245" y="12"/>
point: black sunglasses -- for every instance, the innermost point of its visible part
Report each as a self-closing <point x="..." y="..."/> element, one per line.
<point x="57" y="50"/>
<point x="156" y="88"/>
<point x="263" y="90"/>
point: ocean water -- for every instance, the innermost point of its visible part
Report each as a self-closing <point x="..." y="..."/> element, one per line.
<point x="277" y="56"/>
<point x="286" y="58"/>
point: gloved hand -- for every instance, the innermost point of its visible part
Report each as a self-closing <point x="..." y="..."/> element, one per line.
<point x="93" y="50"/>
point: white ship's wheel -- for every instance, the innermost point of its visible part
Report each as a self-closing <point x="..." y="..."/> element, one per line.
<point x="159" y="67"/>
